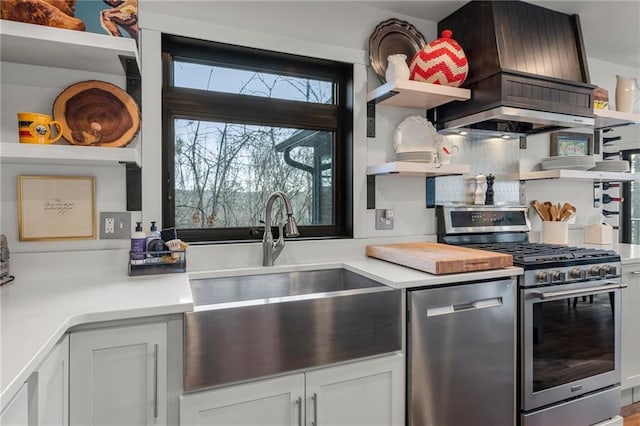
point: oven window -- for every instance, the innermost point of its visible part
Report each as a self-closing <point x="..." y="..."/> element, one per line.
<point x="573" y="339"/>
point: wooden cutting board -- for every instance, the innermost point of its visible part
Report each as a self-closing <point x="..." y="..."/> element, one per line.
<point x="436" y="258"/>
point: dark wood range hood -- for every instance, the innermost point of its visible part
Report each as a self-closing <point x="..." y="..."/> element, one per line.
<point x="527" y="70"/>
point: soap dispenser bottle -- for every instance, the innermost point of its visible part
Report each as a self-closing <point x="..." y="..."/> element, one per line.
<point x="154" y="242"/>
<point x="138" y="245"/>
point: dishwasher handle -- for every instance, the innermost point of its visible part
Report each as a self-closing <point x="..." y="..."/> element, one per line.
<point x="492" y="302"/>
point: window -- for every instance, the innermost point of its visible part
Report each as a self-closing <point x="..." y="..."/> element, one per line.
<point x="241" y="123"/>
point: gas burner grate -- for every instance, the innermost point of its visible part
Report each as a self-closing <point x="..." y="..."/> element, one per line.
<point x="540" y="253"/>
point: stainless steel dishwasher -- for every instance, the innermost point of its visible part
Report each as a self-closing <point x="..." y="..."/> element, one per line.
<point x="461" y="363"/>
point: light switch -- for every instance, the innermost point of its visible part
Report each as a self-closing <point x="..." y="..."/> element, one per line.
<point x="385" y="218"/>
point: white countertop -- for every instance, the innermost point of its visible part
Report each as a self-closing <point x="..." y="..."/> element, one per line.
<point x="49" y="296"/>
<point x="397" y="276"/>
<point x="629" y="253"/>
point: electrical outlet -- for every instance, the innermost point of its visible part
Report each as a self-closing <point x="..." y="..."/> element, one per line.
<point x="115" y="225"/>
<point x="109" y="225"/>
<point x="384" y="218"/>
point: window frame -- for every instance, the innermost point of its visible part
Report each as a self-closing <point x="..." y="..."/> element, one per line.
<point x="178" y="102"/>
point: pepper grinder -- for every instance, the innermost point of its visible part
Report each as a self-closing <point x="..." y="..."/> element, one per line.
<point x="489" y="198"/>
<point x="480" y="188"/>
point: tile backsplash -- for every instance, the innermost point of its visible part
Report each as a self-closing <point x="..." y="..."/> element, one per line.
<point x="497" y="156"/>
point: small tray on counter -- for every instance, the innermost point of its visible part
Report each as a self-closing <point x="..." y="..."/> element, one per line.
<point x="158" y="262"/>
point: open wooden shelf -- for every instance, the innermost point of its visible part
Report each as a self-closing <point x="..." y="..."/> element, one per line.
<point x="578" y="175"/>
<point x="60" y="48"/>
<point x="416" y="94"/>
<point x="20" y="153"/>
<point x="606" y="118"/>
<point x="406" y="168"/>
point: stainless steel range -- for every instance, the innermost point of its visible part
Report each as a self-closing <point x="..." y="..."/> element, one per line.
<point x="568" y="316"/>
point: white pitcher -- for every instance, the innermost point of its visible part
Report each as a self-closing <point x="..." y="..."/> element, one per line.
<point x="397" y="68"/>
<point x="625" y="93"/>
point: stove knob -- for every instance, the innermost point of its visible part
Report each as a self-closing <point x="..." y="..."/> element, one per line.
<point x="558" y="276"/>
<point x="610" y="270"/>
<point x="597" y="271"/>
<point x="541" y="276"/>
<point x="576" y="273"/>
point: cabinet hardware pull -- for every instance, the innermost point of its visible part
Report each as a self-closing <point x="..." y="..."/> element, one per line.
<point x="314" y="398"/>
<point x="600" y="289"/>
<point x="155" y="381"/>
<point x="635" y="272"/>
<point x="299" y="403"/>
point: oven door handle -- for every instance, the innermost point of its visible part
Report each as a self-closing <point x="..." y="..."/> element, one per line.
<point x="601" y="289"/>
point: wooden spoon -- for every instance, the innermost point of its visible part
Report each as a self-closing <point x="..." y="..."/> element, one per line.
<point x="569" y="212"/>
<point x="545" y="211"/>
<point x="565" y="210"/>
<point x="553" y="209"/>
<point x="539" y="209"/>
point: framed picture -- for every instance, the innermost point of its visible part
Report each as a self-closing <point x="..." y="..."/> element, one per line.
<point x="570" y="144"/>
<point x="56" y="208"/>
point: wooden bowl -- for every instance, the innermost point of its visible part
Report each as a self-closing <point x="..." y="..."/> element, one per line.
<point x="97" y="113"/>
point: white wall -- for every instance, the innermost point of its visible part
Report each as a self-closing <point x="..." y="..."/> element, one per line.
<point x="324" y="29"/>
<point x="35" y="88"/>
<point x="603" y="74"/>
<point x="334" y="30"/>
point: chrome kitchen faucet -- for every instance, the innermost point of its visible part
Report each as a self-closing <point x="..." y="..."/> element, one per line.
<point x="270" y="249"/>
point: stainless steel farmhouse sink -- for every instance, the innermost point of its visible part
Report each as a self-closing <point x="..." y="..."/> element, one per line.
<point x="258" y="325"/>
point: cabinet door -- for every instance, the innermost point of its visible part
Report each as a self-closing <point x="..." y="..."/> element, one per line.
<point x="17" y="412"/>
<point x="118" y="376"/>
<point x="631" y="326"/>
<point x="366" y="393"/>
<point x="53" y="387"/>
<point x="271" y="402"/>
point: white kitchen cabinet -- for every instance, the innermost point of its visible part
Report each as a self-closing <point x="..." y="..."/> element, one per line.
<point x="366" y="393"/>
<point x="17" y="412"/>
<point x="118" y="376"/>
<point x="271" y="402"/>
<point x="631" y="326"/>
<point x="44" y="399"/>
<point x="362" y="393"/>
<point x="53" y="387"/>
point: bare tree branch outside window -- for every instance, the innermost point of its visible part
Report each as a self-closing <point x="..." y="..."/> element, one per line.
<point x="224" y="172"/>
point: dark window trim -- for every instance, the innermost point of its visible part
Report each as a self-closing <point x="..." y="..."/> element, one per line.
<point x="182" y="102"/>
<point x="255" y="110"/>
<point x="625" y="208"/>
<point x="213" y="53"/>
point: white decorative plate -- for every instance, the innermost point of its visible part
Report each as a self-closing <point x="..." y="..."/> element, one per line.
<point x="612" y="166"/>
<point x="419" y="156"/>
<point x="415" y="134"/>
<point x="578" y="162"/>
